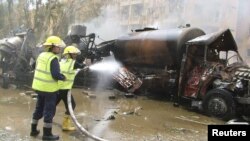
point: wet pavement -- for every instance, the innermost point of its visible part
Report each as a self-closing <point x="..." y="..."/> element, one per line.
<point x="107" y="114"/>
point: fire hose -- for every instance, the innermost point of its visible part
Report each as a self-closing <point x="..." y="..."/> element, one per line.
<point x="79" y="126"/>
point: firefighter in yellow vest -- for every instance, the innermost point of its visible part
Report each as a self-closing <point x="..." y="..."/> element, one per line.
<point x="68" y="66"/>
<point x="45" y="84"/>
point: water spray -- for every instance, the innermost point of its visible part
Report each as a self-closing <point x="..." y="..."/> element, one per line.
<point x="78" y="125"/>
<point x="107" y="67"/>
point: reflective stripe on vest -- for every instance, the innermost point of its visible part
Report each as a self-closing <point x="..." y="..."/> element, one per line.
<point x="67" y="68"/>
<point x="43" y="80"/>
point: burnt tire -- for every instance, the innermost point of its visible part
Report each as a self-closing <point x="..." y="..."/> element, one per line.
<point x="219" y="103"/>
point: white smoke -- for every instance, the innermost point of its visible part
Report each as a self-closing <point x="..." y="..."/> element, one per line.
<point x="210" y="16"/>
<point x="106" y="26"/>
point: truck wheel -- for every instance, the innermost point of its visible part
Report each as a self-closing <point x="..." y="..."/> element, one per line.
<point x="219" y="103"/>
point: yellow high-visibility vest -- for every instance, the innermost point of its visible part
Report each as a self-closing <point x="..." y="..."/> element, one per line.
<point x="67" y="68"/>
<point x="43" y="80"/>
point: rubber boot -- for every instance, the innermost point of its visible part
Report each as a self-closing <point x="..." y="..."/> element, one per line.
<point x="48" y="136"/>
<point x="34" y="132"/>
<point x="67" y="124"/>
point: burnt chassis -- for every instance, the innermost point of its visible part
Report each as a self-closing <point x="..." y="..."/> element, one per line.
<point x="16" y="55"/>
<point x="214" y="77"/>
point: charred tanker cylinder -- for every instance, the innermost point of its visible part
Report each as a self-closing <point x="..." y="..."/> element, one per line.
<point x="154" y="48"/>
<point x="155" y="56"/>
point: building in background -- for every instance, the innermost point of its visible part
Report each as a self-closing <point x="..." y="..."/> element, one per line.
<point x="243" y="29"/>
<point x="136" y="14"/>
<point x="211" y="15"/>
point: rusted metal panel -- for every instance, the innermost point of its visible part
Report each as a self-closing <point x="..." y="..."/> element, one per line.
<point x="222" y="40"/>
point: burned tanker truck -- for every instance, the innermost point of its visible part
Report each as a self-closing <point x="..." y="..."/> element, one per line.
<point x="205" y="71"/>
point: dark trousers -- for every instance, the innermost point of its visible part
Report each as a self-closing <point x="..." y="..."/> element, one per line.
<point x="45" y="106"/>
<point x="62" y="95"/>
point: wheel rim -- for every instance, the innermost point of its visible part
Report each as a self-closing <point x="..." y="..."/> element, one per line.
<point x="217" y="106"/>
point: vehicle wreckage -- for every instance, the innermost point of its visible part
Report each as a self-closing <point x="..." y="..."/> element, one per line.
<point x="205" y="71"/>
<point x="202" y="70"/>
<point x="19" y="52"/>
<point x="16" y="56"/>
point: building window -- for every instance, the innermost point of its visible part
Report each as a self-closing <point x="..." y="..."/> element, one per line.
<point x="125" y="12"/>
<point x="136" y="10"/>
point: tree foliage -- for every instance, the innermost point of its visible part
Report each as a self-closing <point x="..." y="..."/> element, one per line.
<point x="46" y="18"/>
